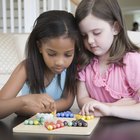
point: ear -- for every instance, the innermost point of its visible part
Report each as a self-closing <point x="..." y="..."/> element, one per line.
<point x="116" y="28"/>
<point x="39" y="46"/>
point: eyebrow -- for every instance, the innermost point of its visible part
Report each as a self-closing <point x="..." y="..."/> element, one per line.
<point x="55" y="51"/>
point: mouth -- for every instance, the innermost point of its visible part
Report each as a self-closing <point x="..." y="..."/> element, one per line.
<point x="94" y="48"/>
<point x="58" y="70"/>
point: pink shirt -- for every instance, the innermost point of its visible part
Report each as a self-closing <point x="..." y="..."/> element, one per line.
<point x="117" y="82"/>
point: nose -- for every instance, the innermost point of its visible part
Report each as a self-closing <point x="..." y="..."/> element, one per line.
<point x="91" y="39"/>
<point x="59" y="62"/>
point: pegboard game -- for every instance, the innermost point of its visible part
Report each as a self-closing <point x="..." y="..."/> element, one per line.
<point x="22" y="128"/>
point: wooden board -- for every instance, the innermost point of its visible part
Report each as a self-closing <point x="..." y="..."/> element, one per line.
<point x="21" y="128"/>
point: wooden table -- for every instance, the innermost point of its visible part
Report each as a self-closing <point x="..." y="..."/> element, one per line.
<point x="108" y="128"/>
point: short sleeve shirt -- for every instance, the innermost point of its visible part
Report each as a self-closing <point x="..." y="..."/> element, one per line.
<point x="116" y="83"/>
<point x="54" y="90"/>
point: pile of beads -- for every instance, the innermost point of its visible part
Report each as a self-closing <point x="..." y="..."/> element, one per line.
<point x="32" y="122"/>
<point x="53" y="125"/>
<point x="40" y="118"/>
<point x="88" y="117"/>
<point x="76" y="123"/>
<point x="65" y="114"/>
<point x="44" y="117"/>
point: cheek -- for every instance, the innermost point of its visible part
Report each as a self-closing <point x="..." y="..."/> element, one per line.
<point x="109" y="40"/>
<point x="69" y="61"/>
<point x="105" y="39"/>
<point x="47" y="59"/>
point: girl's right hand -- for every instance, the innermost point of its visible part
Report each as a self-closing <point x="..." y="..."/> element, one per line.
<point x="96" y="108"/>
<point x="42" y="101"/>
<point x="87" y="108"/>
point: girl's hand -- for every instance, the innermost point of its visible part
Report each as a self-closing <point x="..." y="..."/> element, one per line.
<point x="96" y="108"/>
<point x="41" y="101"/>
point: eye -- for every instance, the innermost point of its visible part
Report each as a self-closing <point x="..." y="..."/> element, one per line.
<point x="52" y="54"/>
<point x="97" y="33"/>
<point x="68" y="55"/>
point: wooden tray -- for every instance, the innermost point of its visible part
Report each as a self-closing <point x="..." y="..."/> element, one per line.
<point x="21" y="128"/>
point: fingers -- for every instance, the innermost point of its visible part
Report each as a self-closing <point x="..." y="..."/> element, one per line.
<point x="90" y="107"/>
<point x="86" y="109"/>
<point x="49" y="105"/>
<point x="53" y="107"/>
<point x="42" y="101"/>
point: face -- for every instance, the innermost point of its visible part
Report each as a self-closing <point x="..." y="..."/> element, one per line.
<point x="58" y="53"/>
<point x="98" y="35"/>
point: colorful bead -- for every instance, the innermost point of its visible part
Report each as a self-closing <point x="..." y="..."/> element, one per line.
<point x="65" y="123"/>
<point x="71" y="115"/>
<point x="69" y="123"/>
<point x="26" y="122"/>
<point x="52" y="125"/>
<point x="58" y="115"/>
<point x="62" y="114"/>
<point x="76" y="123"/>
<point x="31" y="122"/>
<point x="66" y="114"/>
<point x="83" y="117"/>
<point x="42" y="117"/>
<point x="84" y="123"/>
<point x="36" y="122"/>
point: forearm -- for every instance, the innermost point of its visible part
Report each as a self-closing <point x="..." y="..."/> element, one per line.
<point x="64" y="104"/>
<point x="36" y="103"/>
<point x="61" y="105"/>
<point x="126" y="112"/>
<point x="27" y="111"/>
<point x="9" y="106"/>
<point x="123" y="102"/>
